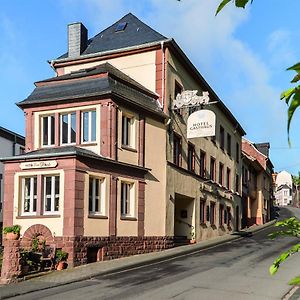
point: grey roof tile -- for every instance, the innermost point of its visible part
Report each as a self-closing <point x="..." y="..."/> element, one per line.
<point x="136" y="33"/>
<point x="116" y="83"/>
<point x="55" y="152"/>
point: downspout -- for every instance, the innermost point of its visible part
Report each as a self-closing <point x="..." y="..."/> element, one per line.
<point x="14" y="145"/>
<point x="163" y="75"/>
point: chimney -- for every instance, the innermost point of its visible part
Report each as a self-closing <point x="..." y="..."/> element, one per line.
<point x="263" y="148"/>
<point x="77" y="39"/>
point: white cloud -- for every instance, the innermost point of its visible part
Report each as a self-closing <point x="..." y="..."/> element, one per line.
<point x="238" y="74"/>
<point x="282" y="53"/>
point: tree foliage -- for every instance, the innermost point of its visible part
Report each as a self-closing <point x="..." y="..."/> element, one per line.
<point x="292" y="95"/>
<point x="238" y="3"/>
<point x="290" y="227"/>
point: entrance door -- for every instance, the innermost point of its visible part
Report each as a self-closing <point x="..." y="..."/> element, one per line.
<point x="184" y="217"/>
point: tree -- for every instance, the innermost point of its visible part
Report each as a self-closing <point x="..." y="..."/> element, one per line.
<point x="292" y="95"/>
<point x="290" y="227"/>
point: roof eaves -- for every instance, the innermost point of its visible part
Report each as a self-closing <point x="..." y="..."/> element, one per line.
<point x="253" y="146"/>
<point x="76" y="152"/>
<point x="176" y="47"/>
<point x="12" y="134"/>
<point x="149" y="109"/>
<point x="59" y="99"/>
<point x="108" y="52"/>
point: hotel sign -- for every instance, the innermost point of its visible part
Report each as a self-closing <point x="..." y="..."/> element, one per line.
<point x="201" y="123"/>
<point x="38" y="164"/>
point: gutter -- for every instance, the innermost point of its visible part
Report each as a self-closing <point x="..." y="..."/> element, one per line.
<point x="40" y="156"/>
<point x="108" y="52"/>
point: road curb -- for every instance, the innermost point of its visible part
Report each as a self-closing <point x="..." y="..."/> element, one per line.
<point x="114" y="266"/>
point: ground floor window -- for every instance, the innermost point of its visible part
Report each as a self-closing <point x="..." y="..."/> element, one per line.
<point x="47" y="186"/>
<point x="207" y="213"/>
<point x="51" y="194"/>
<point x="127" y="199"/>
<point x="221" y="215"/>
<point x="212" y="212"/>
<point x="202" y="211"/>
<point x="29" y="195"/>
<point x="228" y="215"/>
<point x="96" y="196"/>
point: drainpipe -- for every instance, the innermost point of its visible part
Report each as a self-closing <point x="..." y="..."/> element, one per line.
<point x="14" y="145"/>
<point x="163" y="75"/>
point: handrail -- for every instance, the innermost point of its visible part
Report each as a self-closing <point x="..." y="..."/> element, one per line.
<point x="186" y="223"/>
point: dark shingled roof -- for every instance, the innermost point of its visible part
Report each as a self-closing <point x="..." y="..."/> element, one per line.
<point x="135" y="33"/>
<point x="54" y="152"/>
<point x="67" y="88"/>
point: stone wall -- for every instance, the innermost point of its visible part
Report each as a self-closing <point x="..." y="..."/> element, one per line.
<point x="80" y="249"/>
<point x="11" y="267"/>
<point x="117" y="247"/>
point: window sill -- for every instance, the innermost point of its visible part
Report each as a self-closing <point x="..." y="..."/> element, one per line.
<point x="38" y="217"/>
<point x="125" y="218"/>
<point x="213" y="226"/>
<point x="91" y="216"/>
<point x="222" y="227"/>
<point x="83" y="144"/>
<point x="125" y="147"/>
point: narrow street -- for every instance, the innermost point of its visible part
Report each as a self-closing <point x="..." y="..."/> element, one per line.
<point x="236" y="270"/>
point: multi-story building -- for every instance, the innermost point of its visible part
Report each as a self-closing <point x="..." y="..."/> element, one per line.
<point x="283" y="189"/>
<point x="11" y="144"/>
<point x="257" y="170"/>
<point x="109" y="170"/>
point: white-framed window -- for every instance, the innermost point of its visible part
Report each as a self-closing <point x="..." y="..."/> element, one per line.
<point x="48" y="130"/>
<point x="97" y="196"/>
<point x="68" y="128"/>
<point x="88" y="126"/>
<point x="128" y="132"/>
<point x="28" y="195"/>
<point x="51" y="194"/>
<point x="127" y="199"/>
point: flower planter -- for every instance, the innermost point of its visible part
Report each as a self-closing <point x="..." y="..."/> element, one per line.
<point x="61" y="266"/>
<point x="12" y="236"/>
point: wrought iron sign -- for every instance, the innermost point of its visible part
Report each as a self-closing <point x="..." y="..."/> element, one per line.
<point x="190" y="98"/>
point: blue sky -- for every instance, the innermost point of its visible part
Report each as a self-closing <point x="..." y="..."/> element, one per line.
<point x="243" y="54"/>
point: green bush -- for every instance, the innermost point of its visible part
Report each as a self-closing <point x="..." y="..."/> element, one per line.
<point x="15" y="229"/>
<point x="61" y="255"/>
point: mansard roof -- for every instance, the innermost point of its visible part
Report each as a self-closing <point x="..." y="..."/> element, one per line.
<point x="99" y="81"/>
<point x="135" y="33"/>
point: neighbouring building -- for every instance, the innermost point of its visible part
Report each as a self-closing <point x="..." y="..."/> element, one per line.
<point x="257" y="183"/>
<point x="11" y="144"/>
<point x="283" y="189"/>
<point x="108" y="170"/>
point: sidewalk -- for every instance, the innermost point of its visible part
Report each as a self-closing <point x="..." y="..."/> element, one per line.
<point x="57" y="278"/>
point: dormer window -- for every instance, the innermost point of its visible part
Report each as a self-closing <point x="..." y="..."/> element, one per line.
<point x="121" y="26"/>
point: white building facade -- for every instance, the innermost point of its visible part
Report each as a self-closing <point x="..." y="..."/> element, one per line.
<point x="283" y="189"/>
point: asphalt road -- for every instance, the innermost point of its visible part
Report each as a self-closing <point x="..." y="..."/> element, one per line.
<point x="236" y="270"/>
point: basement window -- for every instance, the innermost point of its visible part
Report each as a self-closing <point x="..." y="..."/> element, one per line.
<point x="121" y="26"/>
